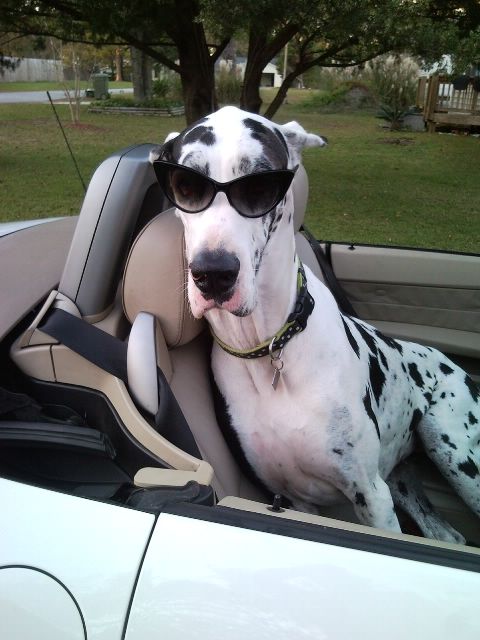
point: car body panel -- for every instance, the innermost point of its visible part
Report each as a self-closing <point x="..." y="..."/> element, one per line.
<point x="89" y="549"/>
<point x="212" y="580"/>
<point x="31" y="264"/>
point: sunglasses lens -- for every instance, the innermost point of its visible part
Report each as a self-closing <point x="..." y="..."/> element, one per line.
<point x="188" y="190"/>
<point x="255" y="195"/>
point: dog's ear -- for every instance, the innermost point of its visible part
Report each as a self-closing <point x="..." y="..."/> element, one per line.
<point x="164" y="152"/>
<point x="297" y="138"/>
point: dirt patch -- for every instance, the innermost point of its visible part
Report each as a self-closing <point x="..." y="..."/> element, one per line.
<point x="80" y="126"/>
<point x="398" y="141"/>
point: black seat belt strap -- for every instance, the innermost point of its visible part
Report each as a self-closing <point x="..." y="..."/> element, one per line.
<point x="329" y="276"/>
<point x="97" y="346"/>
<point x="110" y="354"/>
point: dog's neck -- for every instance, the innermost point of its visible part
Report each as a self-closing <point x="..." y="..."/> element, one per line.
<point x="276" y="295"/>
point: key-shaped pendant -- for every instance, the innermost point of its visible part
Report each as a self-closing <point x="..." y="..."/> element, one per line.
<point x="277" y="363"/>
<point x="276" y="378"/>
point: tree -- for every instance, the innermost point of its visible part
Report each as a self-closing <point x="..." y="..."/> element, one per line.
<point x="328" y="34"/>
<point x="169" y="31"/>
<point x="188" y="36"/>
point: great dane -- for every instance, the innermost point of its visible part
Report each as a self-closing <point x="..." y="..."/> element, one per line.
<point x="326" y="407"/>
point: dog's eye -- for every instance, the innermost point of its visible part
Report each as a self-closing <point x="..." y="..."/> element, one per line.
<point x="188" y="189"/>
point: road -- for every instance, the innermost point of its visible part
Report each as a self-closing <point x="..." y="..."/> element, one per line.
<point x="7" y="97"/>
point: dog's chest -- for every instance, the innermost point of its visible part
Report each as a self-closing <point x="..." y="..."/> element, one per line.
<point x="288" y="437"/>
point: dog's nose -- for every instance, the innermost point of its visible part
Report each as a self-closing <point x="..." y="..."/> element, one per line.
<point x="215" y="273"/>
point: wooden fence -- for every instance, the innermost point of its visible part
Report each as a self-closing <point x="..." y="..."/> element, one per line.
<point x="444" y="104"/>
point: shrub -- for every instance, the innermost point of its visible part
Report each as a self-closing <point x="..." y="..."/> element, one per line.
<point x="228" y="86"/>
<point x="393" y="80"/>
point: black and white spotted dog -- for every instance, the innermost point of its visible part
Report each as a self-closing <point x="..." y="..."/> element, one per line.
<point x="325" y="407"/>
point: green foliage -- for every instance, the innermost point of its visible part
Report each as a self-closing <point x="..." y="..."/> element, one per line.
<point x="168" y="87"/>
<point x="393" y="80"/>
<point x="394" y="115"/>
<point x="229" y="86"/>
<point x="128" y="101"/>
<point x="345" y="95"/>
<point x="161" y="87"/>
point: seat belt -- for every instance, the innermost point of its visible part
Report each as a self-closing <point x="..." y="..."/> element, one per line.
<point x="329" y="276"/>
<point x="110" y="354"/>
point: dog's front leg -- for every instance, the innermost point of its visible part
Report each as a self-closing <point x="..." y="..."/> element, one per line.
<point x="373" y="504"/>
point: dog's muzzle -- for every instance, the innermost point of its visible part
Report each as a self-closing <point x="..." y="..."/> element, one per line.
<point x="215" y="274"/>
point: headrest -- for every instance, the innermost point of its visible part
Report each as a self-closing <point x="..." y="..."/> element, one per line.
<point x="300" y="196"/>
<point x="155" y="279"/>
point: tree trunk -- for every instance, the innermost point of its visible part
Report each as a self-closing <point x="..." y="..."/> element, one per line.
<point x="197" y="67"/>
<point x="250" y="99"/>
<point x="118" y="65"/>
<point x="281" y="94"/>
<point x="141" y="75"/>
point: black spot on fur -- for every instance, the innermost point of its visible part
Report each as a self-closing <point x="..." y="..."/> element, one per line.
<point x="402" y="487"/>
<point x="351" y="339"/>
<point x="443" y="395"/>
<point x="274" y="147"/>
<point x="427" y="396"/>
<point x="415" y="374"/>
<point x="360" y="499"/>
<point x="339" y="452"/>
<point x="416" y="417"/>
<point x="444" y="368"/>
<point x="469" y="468"/>
<point x="367" y="337"/>
<point x="279" y="135"/>
<point x="393" y="344"/>
<point x="472" y="387"/>
<point x="244" y="166"/>
<point x="368" y="408"/>
<point x="447" y="441"/>
<point x="377" y="378"/>
<point x="471" y="418"/>
<point x="200" y="134"/>
<point x="383" y="359"/>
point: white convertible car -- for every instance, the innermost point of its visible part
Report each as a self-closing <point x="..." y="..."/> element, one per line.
<point x="127" y="510"/>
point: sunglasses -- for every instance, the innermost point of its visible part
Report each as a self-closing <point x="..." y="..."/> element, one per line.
<point x="252" y="196"/>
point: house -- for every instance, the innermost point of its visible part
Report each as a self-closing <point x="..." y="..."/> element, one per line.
<point x="270" y="75"/>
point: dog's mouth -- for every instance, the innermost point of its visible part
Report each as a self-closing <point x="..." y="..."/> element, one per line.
<point x="231" y="301"/>
<point x="214" y="283"/>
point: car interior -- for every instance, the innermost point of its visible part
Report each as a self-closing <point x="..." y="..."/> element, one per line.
<point x="72" y="424"/>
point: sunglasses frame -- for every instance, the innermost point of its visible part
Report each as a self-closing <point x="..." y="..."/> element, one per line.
<point x="162" y="167"/>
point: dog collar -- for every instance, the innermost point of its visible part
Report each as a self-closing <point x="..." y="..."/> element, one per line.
<point x="296" y="322"/>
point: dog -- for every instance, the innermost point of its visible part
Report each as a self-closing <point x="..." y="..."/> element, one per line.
<point x="326" y="407"/>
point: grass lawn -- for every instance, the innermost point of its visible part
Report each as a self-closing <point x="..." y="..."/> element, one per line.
<point x="368" y="185"/>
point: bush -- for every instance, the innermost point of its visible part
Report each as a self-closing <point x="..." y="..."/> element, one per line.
<point x="349" y="94"/>
<point x="128" y="101"/>
<point x="161" y="87"/>
<point x="229" y="86"/>
<point x="393" y="80"/>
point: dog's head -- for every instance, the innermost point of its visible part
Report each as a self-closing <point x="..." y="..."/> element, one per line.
<point x="229" y="228"/>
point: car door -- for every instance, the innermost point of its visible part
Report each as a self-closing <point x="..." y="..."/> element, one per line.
<point x="430" y="297"/>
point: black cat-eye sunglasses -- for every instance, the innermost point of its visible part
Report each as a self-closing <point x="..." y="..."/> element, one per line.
<point x="252" y="195"/>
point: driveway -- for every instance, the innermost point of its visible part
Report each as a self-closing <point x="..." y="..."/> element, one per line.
<point x="40" y="96"/>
